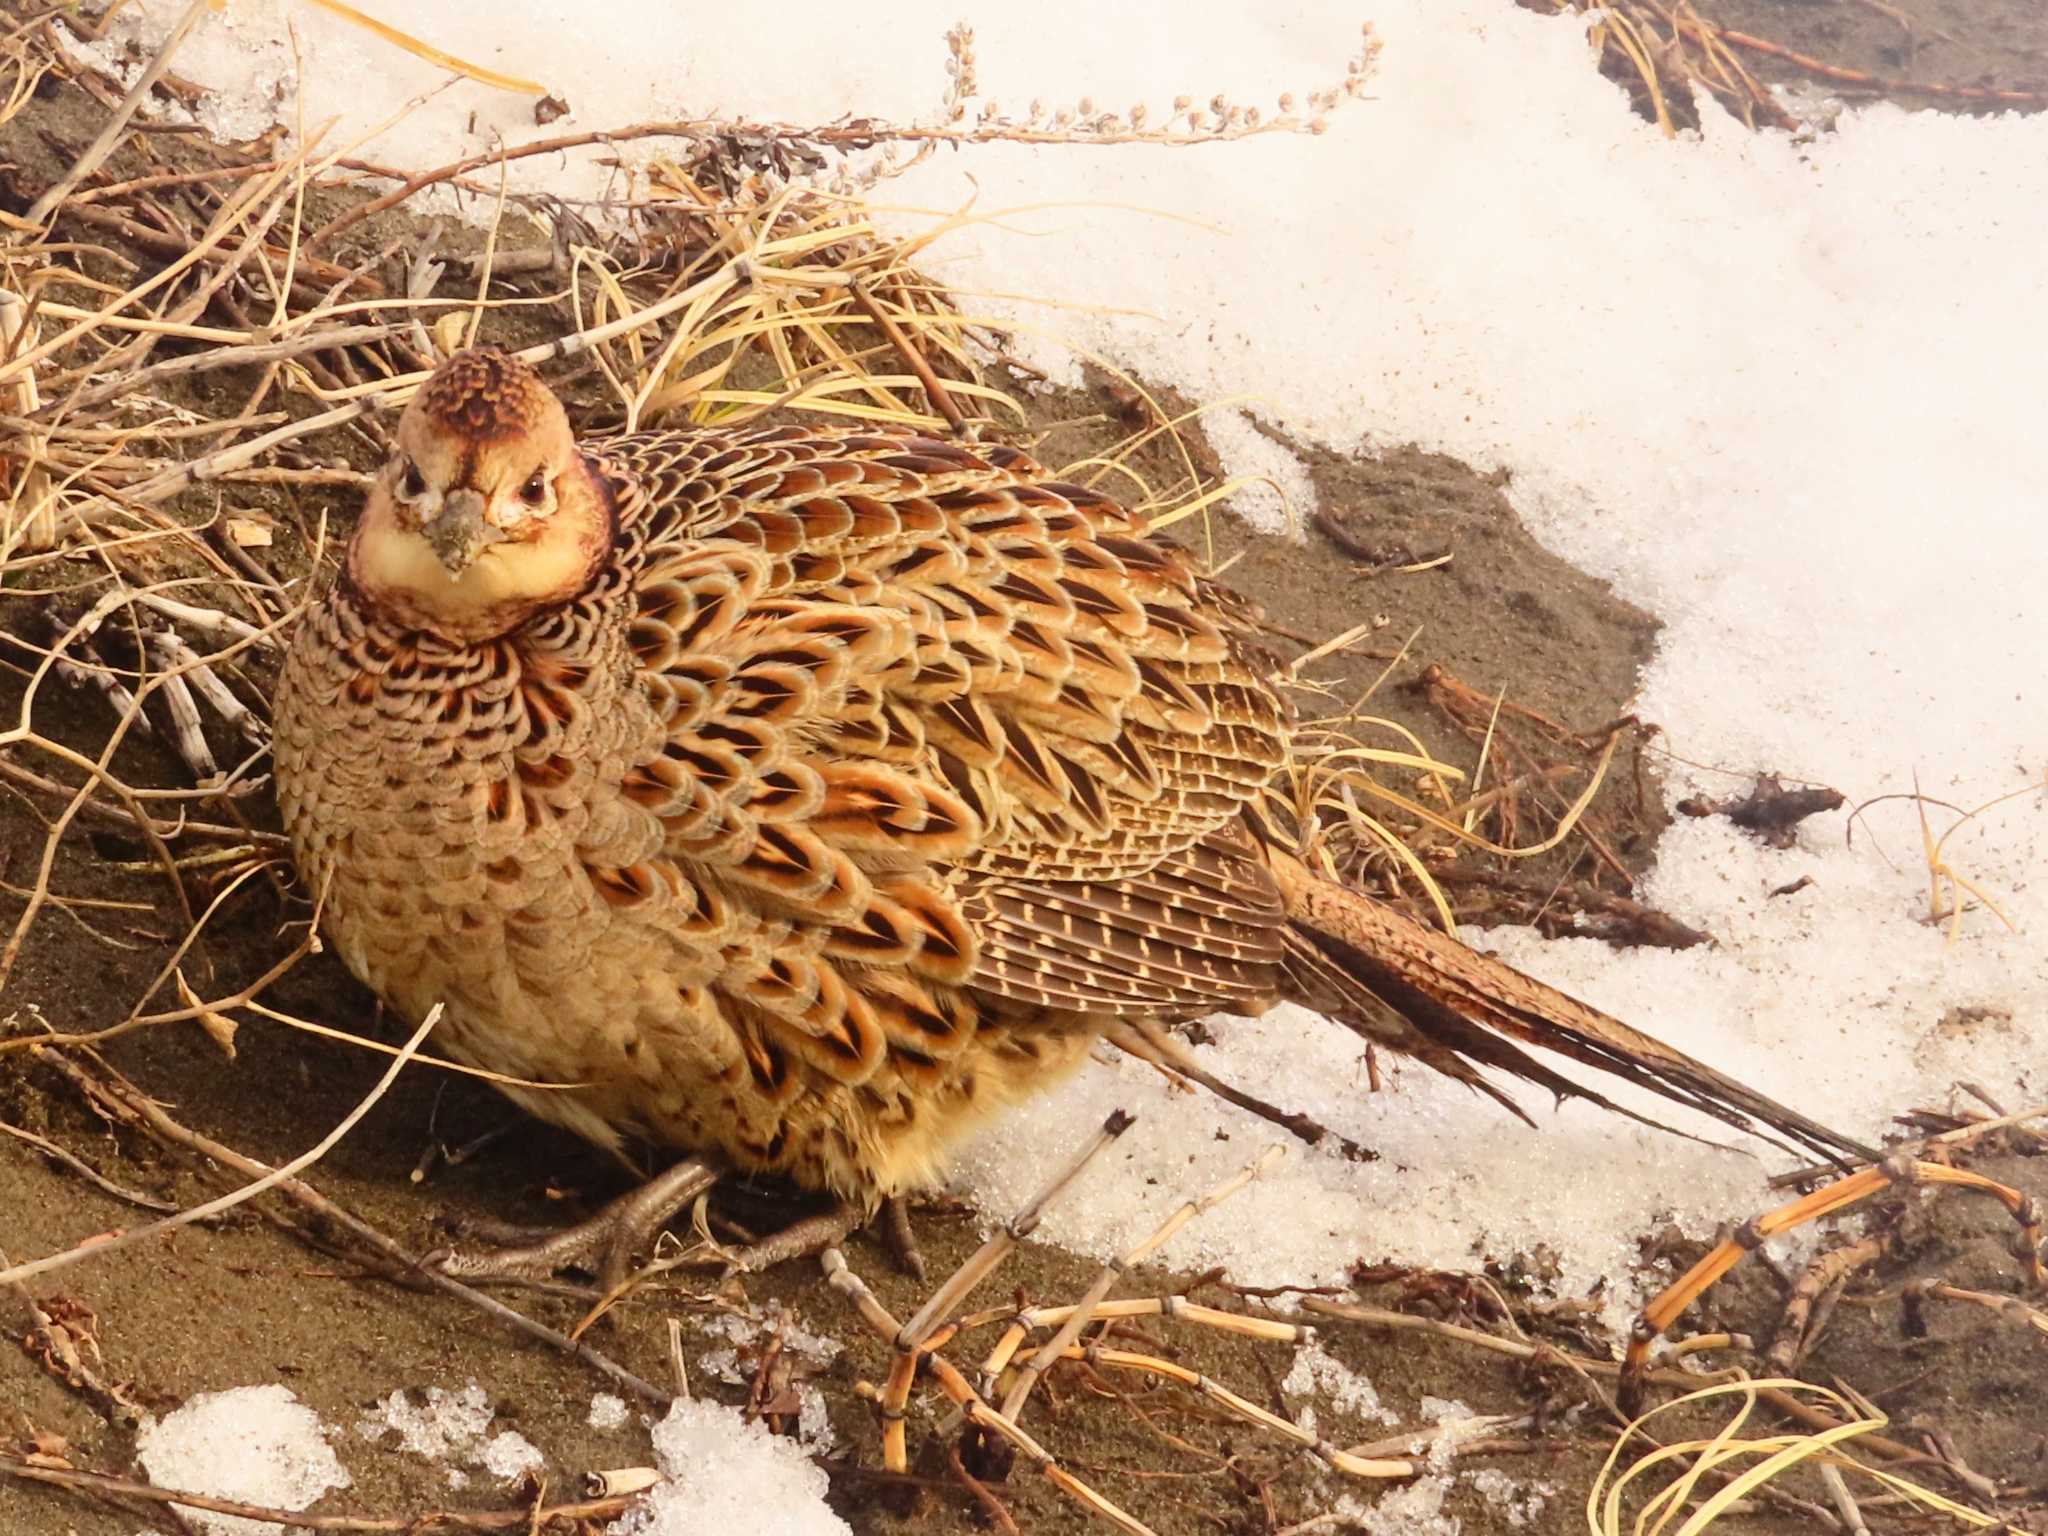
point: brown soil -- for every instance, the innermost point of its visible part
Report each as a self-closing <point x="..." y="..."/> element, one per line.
<point x="249" y="1301"/>
<point x="1999" y="45"/>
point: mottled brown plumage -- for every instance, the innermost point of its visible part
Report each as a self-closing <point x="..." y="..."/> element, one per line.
<point x="806" y="795"/>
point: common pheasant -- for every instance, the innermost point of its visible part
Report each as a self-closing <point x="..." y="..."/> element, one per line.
<point x="805" y="796"/>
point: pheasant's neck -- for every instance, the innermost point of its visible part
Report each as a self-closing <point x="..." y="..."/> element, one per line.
<point x="545" y="715"/>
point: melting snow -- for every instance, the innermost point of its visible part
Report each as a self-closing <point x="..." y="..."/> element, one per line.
<point x="1318" y="1372"/>
<point x="453" y="1427"/>
<point x="721" y="1472"/>
<point x="257" y="1445"/>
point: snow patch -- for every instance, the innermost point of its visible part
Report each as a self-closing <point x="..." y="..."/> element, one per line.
<point x="453" y="1427"/>
<point x="258" y="1445"/>
<point x="721" y="1472"/>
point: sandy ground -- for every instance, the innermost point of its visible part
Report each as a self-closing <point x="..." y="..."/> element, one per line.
<point x="252" y="1300"/>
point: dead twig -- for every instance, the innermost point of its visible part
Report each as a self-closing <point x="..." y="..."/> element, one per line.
<point x="86" y="1171"/>
<point x="102" y="146"/>
<point x="1770" y="809"/>
<point x="32" y="1470"/>
<point x="125" y="1102"/>
<point x="1807" y="1308"/>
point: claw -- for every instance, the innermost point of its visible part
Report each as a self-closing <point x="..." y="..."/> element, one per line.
<point x="603" y="1245"/>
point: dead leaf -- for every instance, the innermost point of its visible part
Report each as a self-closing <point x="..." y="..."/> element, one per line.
<point x="220" y="1029"/>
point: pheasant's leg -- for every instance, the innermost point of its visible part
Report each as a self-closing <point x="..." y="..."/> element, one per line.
<point x="605" y="1243"/>
<point x="902" y="1240"/>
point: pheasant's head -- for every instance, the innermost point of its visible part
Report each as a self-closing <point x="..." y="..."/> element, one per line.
<point x="487" y="512"/>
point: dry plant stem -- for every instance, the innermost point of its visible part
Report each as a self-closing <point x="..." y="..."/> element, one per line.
<point x="1896" y="1171"/>
<point x="991" y="1253"/>
<point x="1947" y="1141"/>
<point x="39" y="212"/>
<point x="124" y="1101"/>
<point x="77" y="1370"/>
<point x="95" y="1247"/>
<point x="914" y="1341"/>
<point x="1344" y="1461"/>
<point x="1844" y="1501"/>
<point x="1859" y="77"/>
<point x="1178" y="1308"/>
<point x="935" y="391"/>
<point x="878" y="1318"/>
<point x="1803" y="1320"/>
<point x="991" y="1506"/>
<point x="186" y="257"/>
<point x="188" y="732"/>
<point x="130" y="818"/>
<point x="1587" y="1368"/>
<point x="172" y="651"/>
<point x="1070" y="1329"/>
<point x="30" y="521"/>
<point x="1148" y="1042"/>
<point x="835" y="135"/>
<point x="99" y="774"/>
<point x="1473" y="1445"/>
<point x="525" y="1520"/>
<point x="86" y="1171"/>
<point x="2009" y="1307"/>
<point x="248" y="355"/>
<point x="306" y="285"/>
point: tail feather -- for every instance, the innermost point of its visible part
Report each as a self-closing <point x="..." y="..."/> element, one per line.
<point x="1426" y="995"/>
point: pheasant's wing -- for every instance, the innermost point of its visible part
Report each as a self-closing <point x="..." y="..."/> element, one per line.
<point x="973" y="728"/>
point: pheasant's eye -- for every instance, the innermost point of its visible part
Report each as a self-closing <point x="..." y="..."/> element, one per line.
<point x="535" y="491"/>
<point x="411" y="482"/>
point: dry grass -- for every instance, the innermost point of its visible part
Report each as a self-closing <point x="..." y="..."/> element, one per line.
<point x="1663" y="50"/>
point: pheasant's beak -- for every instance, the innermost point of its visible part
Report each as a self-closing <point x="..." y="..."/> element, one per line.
<point x="458" y="532"/>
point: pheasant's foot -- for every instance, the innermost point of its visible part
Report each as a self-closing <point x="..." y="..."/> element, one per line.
<point x="800" y="1239"/>
<point x="812" y="1235"/>
<point x="604" y="1244"/>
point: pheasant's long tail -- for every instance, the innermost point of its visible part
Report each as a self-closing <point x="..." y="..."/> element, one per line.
<point x="1422" y="994"/>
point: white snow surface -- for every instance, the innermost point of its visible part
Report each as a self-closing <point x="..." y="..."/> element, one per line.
<point x="256" y="1445"/>
<point x="453" y="1427"/>
<point x="1785" y="395"/>
<point x="721" y="1472"/>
